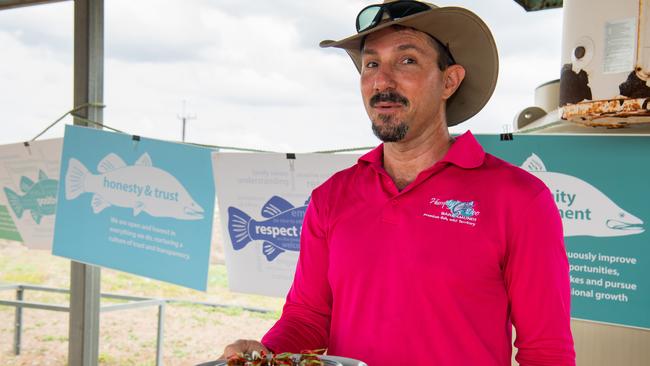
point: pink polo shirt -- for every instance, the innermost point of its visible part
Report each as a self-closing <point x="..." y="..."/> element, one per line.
<point x="434" y="274"/>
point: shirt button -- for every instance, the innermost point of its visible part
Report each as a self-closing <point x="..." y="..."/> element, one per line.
<point x="394" y="202"/>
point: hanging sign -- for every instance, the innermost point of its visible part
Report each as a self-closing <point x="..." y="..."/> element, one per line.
<point x="262" y="203"/>
<point x="29" y="176"/>
<point x="138" y="205"/>
<point x="600" y="186"/>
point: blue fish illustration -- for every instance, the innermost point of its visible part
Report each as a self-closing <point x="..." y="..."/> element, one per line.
<point x="279" y="232"/>
<point x="39" y="197"/>
<point x="459" y="208"/>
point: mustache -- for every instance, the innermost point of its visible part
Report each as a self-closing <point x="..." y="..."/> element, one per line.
<point x="388" y="96"/>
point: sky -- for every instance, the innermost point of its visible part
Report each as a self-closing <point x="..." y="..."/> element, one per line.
<point x="250" y="73"/>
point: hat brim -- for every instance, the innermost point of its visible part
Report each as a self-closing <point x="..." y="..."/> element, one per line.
<point x="470" y="42"/>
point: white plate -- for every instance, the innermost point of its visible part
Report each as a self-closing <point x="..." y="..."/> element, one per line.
<point x="329" y="361"/>
<point x="344" y="360"/>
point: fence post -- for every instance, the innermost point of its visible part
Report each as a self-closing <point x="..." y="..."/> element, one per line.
<point x="159" y="339"/>
<point x="19" y="320"/>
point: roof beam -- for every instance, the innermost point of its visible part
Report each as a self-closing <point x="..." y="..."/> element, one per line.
<point x="8" y="4"/>
<point x="532" y="5"/>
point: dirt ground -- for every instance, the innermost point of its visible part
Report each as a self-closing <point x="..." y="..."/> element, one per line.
<point x="192" y="333"/>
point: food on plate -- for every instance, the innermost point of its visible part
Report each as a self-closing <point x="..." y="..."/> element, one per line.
<point x="305" y="358"/>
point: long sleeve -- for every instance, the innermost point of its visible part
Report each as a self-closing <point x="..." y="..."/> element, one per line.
<point x="537" y="282"/>
<point x="305" y="320"/>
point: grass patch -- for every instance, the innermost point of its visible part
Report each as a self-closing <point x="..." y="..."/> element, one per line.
<point x="148" y="344"/>
<point x="274" y="315"/>
<point x="107" y="359"/>
<point x="25" y="274"/>
<point x="51" y="338"/>
<point x="124" y="283"/>
<point x="21" y="265"/>
<point x="199" y="319"/>
<point x="45" y="297"/>
<point x="227" y="310"/>
<point x="132" y="336"/>
<point x="218" y="276"/>
<point x="234" y="311"/>
<point x="179" y="353"/>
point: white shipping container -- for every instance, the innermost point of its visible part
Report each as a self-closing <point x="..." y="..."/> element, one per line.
<point x="605" y="62"/>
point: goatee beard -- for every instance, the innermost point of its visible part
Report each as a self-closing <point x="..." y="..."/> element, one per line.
<point x="388" y="132"/>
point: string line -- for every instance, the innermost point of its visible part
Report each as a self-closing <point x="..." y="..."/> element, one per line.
<point x="73" y="113"/>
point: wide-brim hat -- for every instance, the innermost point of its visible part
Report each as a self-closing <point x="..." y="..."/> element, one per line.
<point x="470" y="42"/>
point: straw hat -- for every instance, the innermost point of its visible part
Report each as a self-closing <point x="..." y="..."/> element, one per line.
<point x="470" y="42"/>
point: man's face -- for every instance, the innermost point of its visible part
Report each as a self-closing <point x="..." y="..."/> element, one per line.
<point x="401" y="84"/>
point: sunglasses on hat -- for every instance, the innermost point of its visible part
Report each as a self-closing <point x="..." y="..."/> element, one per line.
<point x="372" y="15"/>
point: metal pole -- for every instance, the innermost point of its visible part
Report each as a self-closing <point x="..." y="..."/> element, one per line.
<point x="184" y="117"/>
<point x="83" y="345"/>
<point x="184" y="121"/>
<point x="159" y="339"/>
<point x="19" y="321"/>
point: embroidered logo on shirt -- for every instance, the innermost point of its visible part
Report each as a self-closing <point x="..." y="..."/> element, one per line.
<point x="455" y="211"/>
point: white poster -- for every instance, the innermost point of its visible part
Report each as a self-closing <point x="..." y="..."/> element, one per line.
<point x="29" y="176"/>
<point x="262" y="200"/>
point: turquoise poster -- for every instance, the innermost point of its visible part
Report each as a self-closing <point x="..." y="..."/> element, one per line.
<point x="601" y="187"/>
<point x="137" y="205"/>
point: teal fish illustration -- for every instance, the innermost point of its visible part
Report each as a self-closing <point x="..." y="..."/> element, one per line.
<point x="458" y="208"/>
<point x="585" y="209"/>
<point x="39" y="197"/>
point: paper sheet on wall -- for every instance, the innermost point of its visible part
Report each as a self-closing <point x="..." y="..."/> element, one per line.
<point x="29" y="175"/>
<point x="262" y="201"/>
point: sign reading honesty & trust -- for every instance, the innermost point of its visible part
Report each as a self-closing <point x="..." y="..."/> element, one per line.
<point x="601" y="190"/>
<point x="141" y="206"/>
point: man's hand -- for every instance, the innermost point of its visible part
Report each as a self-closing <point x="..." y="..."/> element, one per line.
<point x="242" y="346"/>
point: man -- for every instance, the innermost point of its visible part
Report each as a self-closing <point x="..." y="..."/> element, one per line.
<point x="428" y="249"/>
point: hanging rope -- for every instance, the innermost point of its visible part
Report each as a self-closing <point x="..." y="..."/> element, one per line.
<point x="96" y="123"/>
<point x="98" y="105"/>
<point x="73" y="113"/>
<point x="229" y="148"/>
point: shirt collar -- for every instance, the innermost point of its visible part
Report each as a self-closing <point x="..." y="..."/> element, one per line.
<point x="465" y="152"/>
<point x="374" y="157"/>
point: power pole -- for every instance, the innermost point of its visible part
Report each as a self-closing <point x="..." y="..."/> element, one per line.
<point x="185" y="117"/>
